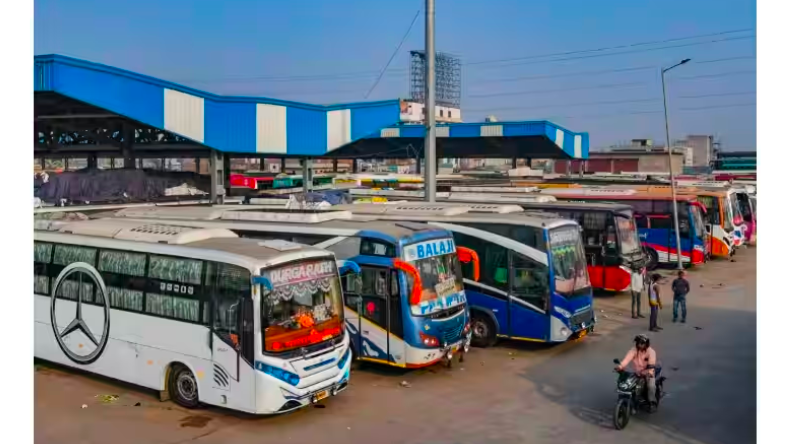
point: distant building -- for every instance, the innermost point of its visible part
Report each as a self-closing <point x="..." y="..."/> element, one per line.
<point x="623" y="160"/>
<point x="703" y="149"/>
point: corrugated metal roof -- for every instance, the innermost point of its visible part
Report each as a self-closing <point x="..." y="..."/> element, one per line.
<point x="225" y="123"/>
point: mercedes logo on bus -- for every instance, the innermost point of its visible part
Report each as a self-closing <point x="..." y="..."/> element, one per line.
<point x="80" y="273"/>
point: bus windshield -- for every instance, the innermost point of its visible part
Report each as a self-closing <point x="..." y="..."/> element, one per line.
<point x="728" y="216"/>
<point x="440" y="272"/>
<point x="699" y="223"/>
<point x="629" y="239"/>
<point x="568" y="261"/>
<point x="304" y="306"/>
<point x="736" y="211"/>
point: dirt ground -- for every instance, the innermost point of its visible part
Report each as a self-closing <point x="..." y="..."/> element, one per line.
<point x="511" y="393"/>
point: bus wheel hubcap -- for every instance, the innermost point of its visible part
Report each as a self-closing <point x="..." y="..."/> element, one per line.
<point x="480" y="329"/>
<point x="187" y="387"/>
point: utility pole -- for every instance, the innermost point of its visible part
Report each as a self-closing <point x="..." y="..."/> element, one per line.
<point x="430" y="103"/>
<point x="678" y="250"/>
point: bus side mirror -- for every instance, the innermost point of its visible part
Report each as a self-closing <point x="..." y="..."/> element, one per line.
<point x="345" y="268"/>
<point x="260" y="280"/>
<point x="467" y="255"/>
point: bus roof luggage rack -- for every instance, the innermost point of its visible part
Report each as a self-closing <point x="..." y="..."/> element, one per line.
<point x="142" y="231"/>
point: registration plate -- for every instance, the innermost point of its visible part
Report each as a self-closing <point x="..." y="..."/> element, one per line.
<point x="323" y="394"/>
<point x="582" y="334"/>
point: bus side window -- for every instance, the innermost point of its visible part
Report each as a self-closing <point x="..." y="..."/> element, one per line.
<point x="493" y="261"/>
<point x="42" y="256"/>
<point x="641" y="221"/>
<point x="530" y="281"/>
<point x="373" y="294"/>
<point x="661" y="222"/>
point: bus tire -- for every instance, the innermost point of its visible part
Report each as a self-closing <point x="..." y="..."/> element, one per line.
<point x="183" y="387"/>
<point x="483" y="330"/>
<point x="652" y="261"/>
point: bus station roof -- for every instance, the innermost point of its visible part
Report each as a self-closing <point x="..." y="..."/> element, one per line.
<point x="82" y="106"/>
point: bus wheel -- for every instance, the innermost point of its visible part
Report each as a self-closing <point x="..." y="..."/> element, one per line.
<point x="483" y="330"/>
<point x="183" y="387"/>
<point x="652" y="262"/>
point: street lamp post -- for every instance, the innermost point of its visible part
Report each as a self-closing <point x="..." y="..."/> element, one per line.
<point x="678" y="251"/>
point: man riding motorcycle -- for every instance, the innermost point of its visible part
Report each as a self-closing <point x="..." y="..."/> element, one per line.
<point x="644" y="360"/>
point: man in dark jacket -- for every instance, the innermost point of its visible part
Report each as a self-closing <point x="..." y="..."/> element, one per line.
<point x="680" y="288"/>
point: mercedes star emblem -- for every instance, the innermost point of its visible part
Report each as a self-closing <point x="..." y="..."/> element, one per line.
<point x="83" y="270"/>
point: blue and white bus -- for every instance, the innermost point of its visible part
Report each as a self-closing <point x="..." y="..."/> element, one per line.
<point x="406" y="307"/>
<point x="533" y="281"/>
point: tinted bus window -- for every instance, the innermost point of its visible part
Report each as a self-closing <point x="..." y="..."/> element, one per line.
<point x="493" y="261"/>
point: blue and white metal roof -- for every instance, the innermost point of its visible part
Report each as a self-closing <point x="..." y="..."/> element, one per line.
<point x="282" y="128"/>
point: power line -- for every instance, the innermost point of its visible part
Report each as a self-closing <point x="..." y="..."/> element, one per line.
<point x="356" y="74"/>
<point x="718" y="95"/>
<point x="625" y="52"/>
<point x="711" y="76"/>
<point x="545" y="91"/>
<point x="726" y="59"/>
<point x="732" y="105"/>
<point x="394" y="53"/>
<point x="646" y="112"/>
<point x="605" y="102"/>
<point x="609" y="48"/>
<point x="571" y="74"/>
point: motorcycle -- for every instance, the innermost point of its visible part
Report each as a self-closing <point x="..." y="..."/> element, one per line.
<point x="632" y="395"/>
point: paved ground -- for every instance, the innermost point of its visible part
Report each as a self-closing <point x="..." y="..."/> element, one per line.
<point x="512" y="393"/>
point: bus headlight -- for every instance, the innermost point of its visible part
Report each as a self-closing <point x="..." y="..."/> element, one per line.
<point x="562" y="311"/>
<point x="282" y="375"/>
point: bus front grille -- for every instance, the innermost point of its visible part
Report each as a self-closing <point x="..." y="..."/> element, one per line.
<point x="584" y="317"/>
<point x="452" y="334"/>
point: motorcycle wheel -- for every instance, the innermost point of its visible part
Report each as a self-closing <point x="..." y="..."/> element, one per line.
<point x="622" y="414"/>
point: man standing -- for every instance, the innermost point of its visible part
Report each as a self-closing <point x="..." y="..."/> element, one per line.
<point x="637" y="286"/>
<point x="654" y="297"/>
<point x="680" y="288"/>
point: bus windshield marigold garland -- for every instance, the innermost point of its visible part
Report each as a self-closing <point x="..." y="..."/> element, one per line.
<point x="416" y="291"/>
<point x="466" y="255"/>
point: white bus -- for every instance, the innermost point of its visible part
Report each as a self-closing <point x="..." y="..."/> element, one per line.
<point x="199" y="315"/>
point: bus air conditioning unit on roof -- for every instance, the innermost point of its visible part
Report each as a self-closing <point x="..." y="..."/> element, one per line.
<point x="174" y="213"/>
<point x="287" y="216"/>
<point x="144" y="232"/>
<point x="495" y="209"/>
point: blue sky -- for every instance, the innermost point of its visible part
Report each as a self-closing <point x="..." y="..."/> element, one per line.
<point x="329" y="51"/>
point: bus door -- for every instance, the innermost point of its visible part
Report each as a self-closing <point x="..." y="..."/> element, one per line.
<point x="368" y="296"/>
<point x="226" y="326"/>
<point x="528" y="304"/>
